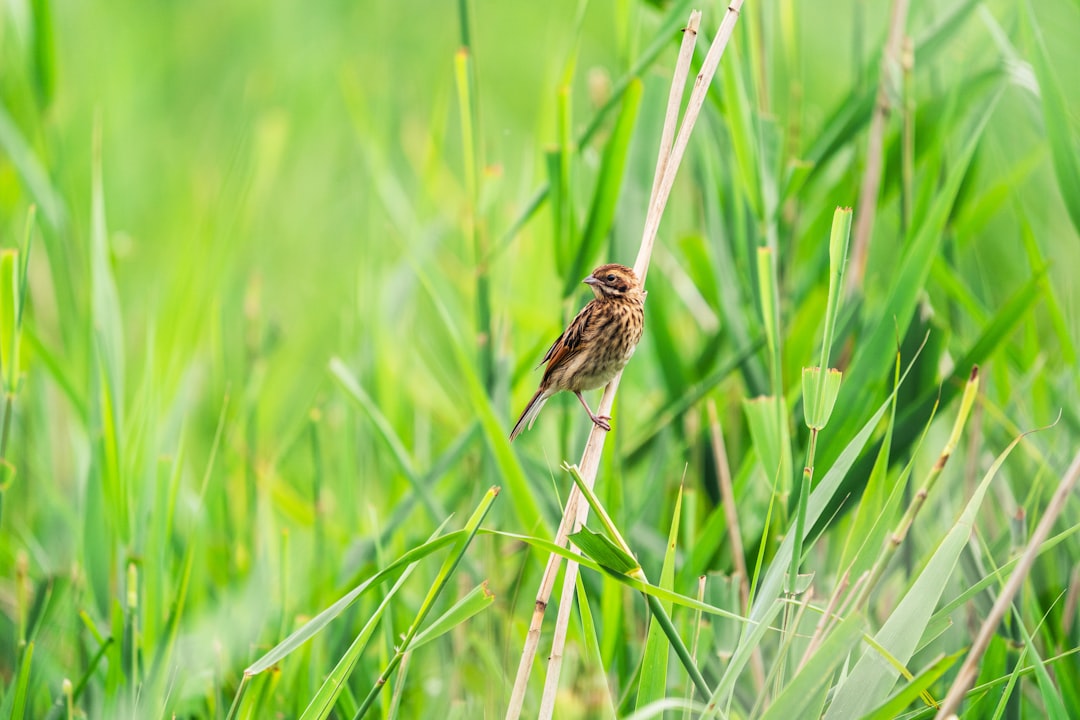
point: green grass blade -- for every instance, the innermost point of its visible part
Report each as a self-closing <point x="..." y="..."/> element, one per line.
<point x="608" y="184"/>
<point x="43" y="51"/>
<point x="22" y="683"/>
<point x="1060" y="133"/>
<point x="593" y="654"/>
<point x="652" y="683"/>
<point x="32" y="172"/>
<point x="357" y="394"/>
<point x="1051" y="696"/>
<point x="474" y="602"/>
<point x="9" y="319"/>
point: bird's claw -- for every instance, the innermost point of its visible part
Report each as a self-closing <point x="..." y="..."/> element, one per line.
<point x="603" y="422"/>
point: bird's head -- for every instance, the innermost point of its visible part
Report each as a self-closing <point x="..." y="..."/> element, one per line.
<point x="612" y="281"/>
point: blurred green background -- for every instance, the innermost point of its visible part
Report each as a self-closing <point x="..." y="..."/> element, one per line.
<point x="280" y="185"/>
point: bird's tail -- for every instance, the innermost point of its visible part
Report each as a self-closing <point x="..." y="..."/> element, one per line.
<point x="528" y="417"/>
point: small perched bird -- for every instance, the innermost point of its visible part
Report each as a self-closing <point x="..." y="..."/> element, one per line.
<point x="597" y="344"/>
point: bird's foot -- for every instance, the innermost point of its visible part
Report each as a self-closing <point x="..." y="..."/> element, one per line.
<point x="603" y="422"/>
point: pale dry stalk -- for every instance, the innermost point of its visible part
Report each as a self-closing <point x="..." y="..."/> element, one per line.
<point x="888" y="82"/>
<point x="731" y="515"/>
<point x="669" y="157"/>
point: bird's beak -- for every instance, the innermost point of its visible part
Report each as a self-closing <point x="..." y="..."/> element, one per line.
<point x="590" y="280"/>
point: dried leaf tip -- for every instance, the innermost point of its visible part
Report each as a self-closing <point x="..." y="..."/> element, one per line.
<point x="974" y="373"/>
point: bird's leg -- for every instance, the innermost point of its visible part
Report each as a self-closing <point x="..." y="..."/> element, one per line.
<point x="601" y="421"/>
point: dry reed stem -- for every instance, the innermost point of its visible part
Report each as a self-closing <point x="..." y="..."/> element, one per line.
<point x="731" y="515"/>
<point x="970" y="669"/>
<point x="669" y="157"/>
<point x="871" y="181"/>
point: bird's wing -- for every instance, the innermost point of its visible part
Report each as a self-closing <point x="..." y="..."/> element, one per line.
<point x="568" y="344"/>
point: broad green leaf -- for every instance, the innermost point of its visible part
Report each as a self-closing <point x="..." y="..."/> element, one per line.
<point x="606" y="553"/>
<point x="630" y="581"/>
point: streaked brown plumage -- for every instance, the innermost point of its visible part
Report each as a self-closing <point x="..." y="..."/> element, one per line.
<point x="595" y="346"/>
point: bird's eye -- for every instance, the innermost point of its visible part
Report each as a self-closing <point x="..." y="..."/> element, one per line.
<point x="611" y="277"/>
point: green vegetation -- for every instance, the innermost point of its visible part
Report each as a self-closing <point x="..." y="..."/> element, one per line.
<point x="274" y="280"/>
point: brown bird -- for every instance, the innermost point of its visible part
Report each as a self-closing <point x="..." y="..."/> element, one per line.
<point x="595" y="346"/>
